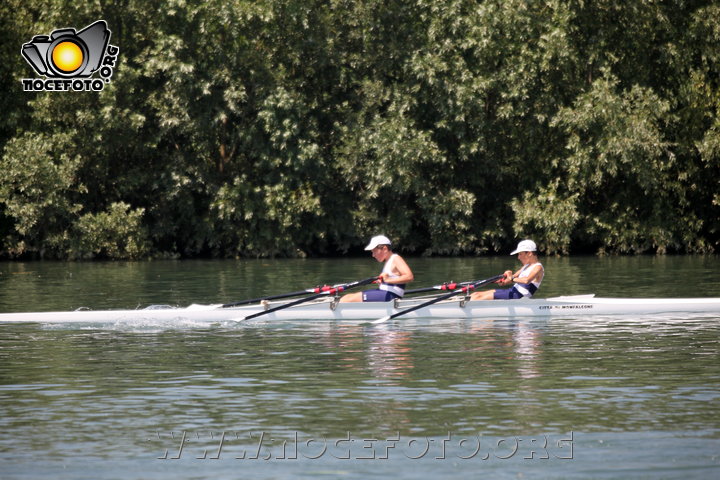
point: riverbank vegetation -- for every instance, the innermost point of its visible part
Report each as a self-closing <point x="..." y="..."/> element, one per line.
<point x="249" y="128"/>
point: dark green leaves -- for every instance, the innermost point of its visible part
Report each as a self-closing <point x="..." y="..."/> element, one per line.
<point x="292" y="128"/>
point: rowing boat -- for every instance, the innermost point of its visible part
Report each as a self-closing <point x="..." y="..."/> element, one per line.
<point x="330" y="309"/>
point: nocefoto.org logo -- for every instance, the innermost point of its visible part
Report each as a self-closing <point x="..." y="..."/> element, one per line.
<point x="68" y="59"/>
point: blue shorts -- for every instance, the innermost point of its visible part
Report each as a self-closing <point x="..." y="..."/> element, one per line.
<point x="378" y="296"/>
<point x="507" y="294"/>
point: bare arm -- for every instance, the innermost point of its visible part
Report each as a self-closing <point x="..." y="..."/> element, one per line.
<point x="535" y="274"/>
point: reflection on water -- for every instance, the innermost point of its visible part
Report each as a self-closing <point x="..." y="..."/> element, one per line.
<point x="389" y="353"/>
<point x="494" y="380"/>
<point x="527" y="348"/>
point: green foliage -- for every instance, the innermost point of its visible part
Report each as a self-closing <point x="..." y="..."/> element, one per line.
<point x="388" y="165"/>
<point x="547" y="215"/>
<point x="302" y="127"/>
<point x="39" y="192"/>
<point x="116" y="234"/>
<point x="618" y="157"/>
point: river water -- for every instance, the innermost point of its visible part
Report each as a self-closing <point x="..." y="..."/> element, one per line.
<point x="594" y="398"/>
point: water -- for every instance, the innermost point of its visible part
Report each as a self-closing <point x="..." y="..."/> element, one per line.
<point x="571" y="398"/>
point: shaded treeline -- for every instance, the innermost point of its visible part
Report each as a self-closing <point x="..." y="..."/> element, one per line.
<point x="301" y="127"/>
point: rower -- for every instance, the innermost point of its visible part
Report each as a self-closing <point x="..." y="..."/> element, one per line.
<point x="393" y="278"/>
<point x="525" y="281"/>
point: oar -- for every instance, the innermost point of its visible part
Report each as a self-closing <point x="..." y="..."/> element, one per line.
<point x="330" y="291"/>
<point x="278" y="296"/>
<point x="469" y="286"/>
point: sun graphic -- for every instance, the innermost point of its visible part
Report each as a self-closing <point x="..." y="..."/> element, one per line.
<point x="67" y="56"/>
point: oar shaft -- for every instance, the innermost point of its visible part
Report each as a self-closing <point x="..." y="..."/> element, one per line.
<point x="465" y="288"/>
<point x="330" y="291"/>
<point x="324" y="288"/>
<point x="285" y="305"/>
<point x="271" y="297"/>
<point x="444" y="286"/>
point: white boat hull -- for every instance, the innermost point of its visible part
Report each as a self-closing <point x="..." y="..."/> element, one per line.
<point x="567" y="306"/>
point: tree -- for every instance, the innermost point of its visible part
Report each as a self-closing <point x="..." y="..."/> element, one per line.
<point x="295" y="127"/>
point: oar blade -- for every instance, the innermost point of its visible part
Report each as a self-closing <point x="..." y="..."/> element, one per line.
<point x="381" y="320"/>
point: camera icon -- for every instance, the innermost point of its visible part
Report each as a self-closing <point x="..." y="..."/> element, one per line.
<point x="67" y="53"/>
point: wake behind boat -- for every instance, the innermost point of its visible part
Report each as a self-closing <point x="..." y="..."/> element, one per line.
<point x="457" y="307"/>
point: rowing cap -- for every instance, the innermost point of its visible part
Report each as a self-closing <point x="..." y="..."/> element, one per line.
<point x="525" y="246"/>
<point x="377" y="241"/>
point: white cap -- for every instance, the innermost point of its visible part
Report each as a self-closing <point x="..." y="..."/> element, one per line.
<point x="378" y="240"/>
<point x="525" y="246"/>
